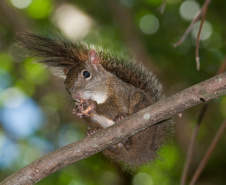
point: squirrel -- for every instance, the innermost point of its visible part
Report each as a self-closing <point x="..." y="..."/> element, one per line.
<point x="106" y="89"/>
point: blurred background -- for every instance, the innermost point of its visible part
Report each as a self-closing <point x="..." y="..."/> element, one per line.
<point x="36" y="111"/>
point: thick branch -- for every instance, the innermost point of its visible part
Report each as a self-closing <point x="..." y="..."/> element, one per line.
<point x="92" y="144"/>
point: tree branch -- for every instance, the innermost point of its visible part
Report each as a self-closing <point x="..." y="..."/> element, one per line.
<point x="161" y="110"/>
<point x="199" y="34"/>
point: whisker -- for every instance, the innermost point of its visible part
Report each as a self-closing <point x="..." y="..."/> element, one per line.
<point x="62" y="99"/>
<point x="69" y="101"/>
<point x="70" y="105"/>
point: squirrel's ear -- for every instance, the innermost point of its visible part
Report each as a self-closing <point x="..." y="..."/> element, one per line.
<point x="93" y="59"/>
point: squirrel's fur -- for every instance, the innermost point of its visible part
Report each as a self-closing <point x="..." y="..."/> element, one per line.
<point x="61" y="53"/>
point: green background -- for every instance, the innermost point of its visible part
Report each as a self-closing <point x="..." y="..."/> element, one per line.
<point x="120" y="26"/>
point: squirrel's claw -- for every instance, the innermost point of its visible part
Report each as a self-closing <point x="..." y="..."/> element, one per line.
<point x="120" y="118"/>
<point x="92" y="131"/>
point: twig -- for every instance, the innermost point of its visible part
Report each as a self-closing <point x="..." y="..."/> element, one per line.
<point x="191" y="145"/>
<point x="162" y="7"/>
<point x="208" y="153"/>
<point x="199" y="33"/>
<point x="192" y="24"/>
<point x="161" y="110"/>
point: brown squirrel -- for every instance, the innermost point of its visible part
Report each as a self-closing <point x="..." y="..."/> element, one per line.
<point x="105" y="89"/>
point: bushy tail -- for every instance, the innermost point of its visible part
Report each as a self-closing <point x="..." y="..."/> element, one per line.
<point x="56" y="51"/>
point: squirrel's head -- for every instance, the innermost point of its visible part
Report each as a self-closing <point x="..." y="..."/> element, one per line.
<point x="86" y="79"/>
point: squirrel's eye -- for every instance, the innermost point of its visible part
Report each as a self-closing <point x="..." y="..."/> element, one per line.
<point x="86" y="74"/>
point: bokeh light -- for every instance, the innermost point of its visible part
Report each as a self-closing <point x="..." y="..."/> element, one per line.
<point x="149" y="24"/>
<point x="143" y="179"/>
<point x="72" y="21"/>
<point x="19" y="115"/>
<point x="189" y="9"/>
<point x="39" y="9"/>
<point x="206" y="30"/>
<point x="9" y="151"/>
<point x="21" y="4"/>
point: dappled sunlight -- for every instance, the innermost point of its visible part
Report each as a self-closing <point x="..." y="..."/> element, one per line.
<point x="72" y="21"/>
<point x="19" y="115"/>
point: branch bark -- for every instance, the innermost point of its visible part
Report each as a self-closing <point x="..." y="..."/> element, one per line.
<point x="161" y="110"/>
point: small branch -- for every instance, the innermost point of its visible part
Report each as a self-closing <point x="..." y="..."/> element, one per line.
<point x="188" y="29"/>
<point x="162" y="7"/>
<point x="199" y="34"/>
<point x="161" y="110"/>
<point x="208" y="153"/>
<point x="191" y="145"/>
<point x="192" y="24"/>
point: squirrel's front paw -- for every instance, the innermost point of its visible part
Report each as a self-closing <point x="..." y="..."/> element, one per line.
<point x="86" y="108"/>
